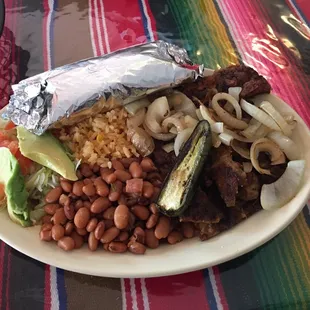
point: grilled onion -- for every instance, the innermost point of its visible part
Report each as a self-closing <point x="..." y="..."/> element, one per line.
<point x="267" y="146"/>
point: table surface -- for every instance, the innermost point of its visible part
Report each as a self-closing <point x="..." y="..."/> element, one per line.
<point x="272" y="36"/>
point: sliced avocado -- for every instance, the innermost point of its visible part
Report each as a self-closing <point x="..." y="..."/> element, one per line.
<point x="14" y="184"/>
<point x="47" y="151"/>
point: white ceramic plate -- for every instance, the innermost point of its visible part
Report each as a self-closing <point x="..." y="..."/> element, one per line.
<point x="186" y="256"/>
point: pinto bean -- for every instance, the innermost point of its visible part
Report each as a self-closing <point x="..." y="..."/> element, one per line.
<point x="47" y="226"/>
<point x="152" y="221"/>
<point x="66" y="243"/>
<point x="122" y="175"/>
<point x="123" y="236"/>
<point x="53" y="195"/>
<point x="150" y="240"/>
<point x="153" y="208"/>
<point x="106" y="246"/>
<point x="117" y="247"/>
<point x="148" y="189"/>
<point x="92" y="224"/>
<point x="92" y="242"/>
<point x="81" y="231"/>
<point x="135" y="170"/>
<point x="51" y="208"/>
<point x="69" y="228"/>
<point x="100" y="205"/>
<point x="141" y="212"/>
<point x="59" y="217"/>
<point x="175" y="237"/>
<point x="136" y="248"/>
<point x="99" y="230"/>
<point x="116" y="191"/>
<point x="156" y="193"/>
<point x="89" y="189"/>
<point x="82" y="217"/>
<point x="69" y="211"/>
<point x="46" y="219"/>
<point x="117" y="165"/>
<point x="108" y="224"/>
<point x="86" y="170"/>
<point x="95" y="168"/>
<point x="78" y="205"/>
<point x="108" y="175"/>
<point x="187" y="229"/>
<point x="78" y="240"/>
<point x="109" y="235"/>
<point x="128" y="161"/>
<point x="102" y="188"/>
<point x="108" y="214"/>
<point x="121" y="216"/>
<point x="46" y="235"/>
<point x="147" y="165"/>
<point x="58" y="232"/>
<point x="87" y="181"/>
<point x="122" y="200"/>
<point x="139" y="235"/>
<point x="87" y="204"/>
<point x="162" y="228"/>
<point x="77" y="188"/>
<point x="66" y="186"/>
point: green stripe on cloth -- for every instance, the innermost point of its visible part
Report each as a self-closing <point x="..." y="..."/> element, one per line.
<point x="203" y="32"/>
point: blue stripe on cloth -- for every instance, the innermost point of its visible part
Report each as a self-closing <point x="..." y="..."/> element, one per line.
<point x="301" y="12"/>
<point x="55" y="4"/>
<point x="62" y="293"/>
<point x="144" y="20"/>
<point x="306" y="213"/>
<point x="209" y="290"/>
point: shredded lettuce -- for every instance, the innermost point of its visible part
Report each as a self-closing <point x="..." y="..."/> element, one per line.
<point x="38" y="185"/>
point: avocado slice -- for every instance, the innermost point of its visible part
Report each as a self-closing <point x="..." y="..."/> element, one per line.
<point x="47" y="151"/>
<point x="15" y="191"/>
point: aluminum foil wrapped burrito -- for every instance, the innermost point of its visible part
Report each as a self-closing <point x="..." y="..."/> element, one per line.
<point x="67" y="94"/>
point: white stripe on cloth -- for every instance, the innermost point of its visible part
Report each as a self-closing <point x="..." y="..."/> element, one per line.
<point x="123" y="290"/>
<point x="97" y="21"/>
<point x="54" y="289"/>
<point x="90" y="20"/>
<point x="148" y="19"/>
<point x="48" y="33"/>
<point x="105" y="31"/>
<point x="133" y="294"/>
<point x="145" y="296"/>
<point x="215" y="290"/>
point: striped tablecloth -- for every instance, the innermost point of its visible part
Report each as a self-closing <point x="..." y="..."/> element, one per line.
<point x="272" y="36"/>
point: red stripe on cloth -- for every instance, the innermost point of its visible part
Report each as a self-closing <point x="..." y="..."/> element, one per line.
<point x="45" y="37"/>
<point x="47" y="290"/>
<point x="93" y="12"/>
<point x="182" y="292"/>
<point x="220" y="288"/>
<point x="128" y="294"/>
<point x="7" y="292"/>
<point x="124" y="23"/>
<point x="304" y="7"/>
<point x="100" y="20"/>
<point x="139" y="293"/>
<point x="2" y="245"/>
<point x="152" y="18"/>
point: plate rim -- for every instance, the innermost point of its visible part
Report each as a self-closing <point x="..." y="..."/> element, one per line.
<point x="132" y="273"/>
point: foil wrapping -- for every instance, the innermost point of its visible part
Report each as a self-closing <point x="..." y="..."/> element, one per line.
<point x="67" y="94"/>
